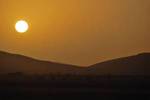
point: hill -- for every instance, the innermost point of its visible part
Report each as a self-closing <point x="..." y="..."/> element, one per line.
<point x="11" y="63"/>
<point x="132" y="65"/>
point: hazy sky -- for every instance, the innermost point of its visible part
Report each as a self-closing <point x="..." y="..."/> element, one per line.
<point x="80" y="32"/>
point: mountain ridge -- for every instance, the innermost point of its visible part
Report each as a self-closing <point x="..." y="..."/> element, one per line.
<point x="27" y="57"/>
<point x="136" y="64"/>
<point x="17" y="63"/>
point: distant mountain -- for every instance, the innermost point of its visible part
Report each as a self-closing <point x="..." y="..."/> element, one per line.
<point x="11" y="63"/>
<point x="132" y="65"/>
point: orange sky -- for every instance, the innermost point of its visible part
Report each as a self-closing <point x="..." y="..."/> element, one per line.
<point x="80" y="32"/>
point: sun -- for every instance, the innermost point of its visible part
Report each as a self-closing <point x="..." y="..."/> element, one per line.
<point x="21" y="26"/>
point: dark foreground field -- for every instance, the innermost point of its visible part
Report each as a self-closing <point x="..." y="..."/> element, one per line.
<point x="73" y="86"/>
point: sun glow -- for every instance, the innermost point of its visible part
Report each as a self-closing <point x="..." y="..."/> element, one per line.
<point x="21" y="26"/>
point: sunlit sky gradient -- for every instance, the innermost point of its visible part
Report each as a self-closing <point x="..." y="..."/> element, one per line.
<point x="80" y="32"/>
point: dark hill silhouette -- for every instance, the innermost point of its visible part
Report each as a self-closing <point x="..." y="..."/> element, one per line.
<point x="11" y="63"/>
<point x="133" y="65"/>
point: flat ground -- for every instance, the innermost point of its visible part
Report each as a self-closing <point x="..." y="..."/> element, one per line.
<point x="75" y="87"/>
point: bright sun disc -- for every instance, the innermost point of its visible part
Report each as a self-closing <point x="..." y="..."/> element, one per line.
<point x="21" y="26"/>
